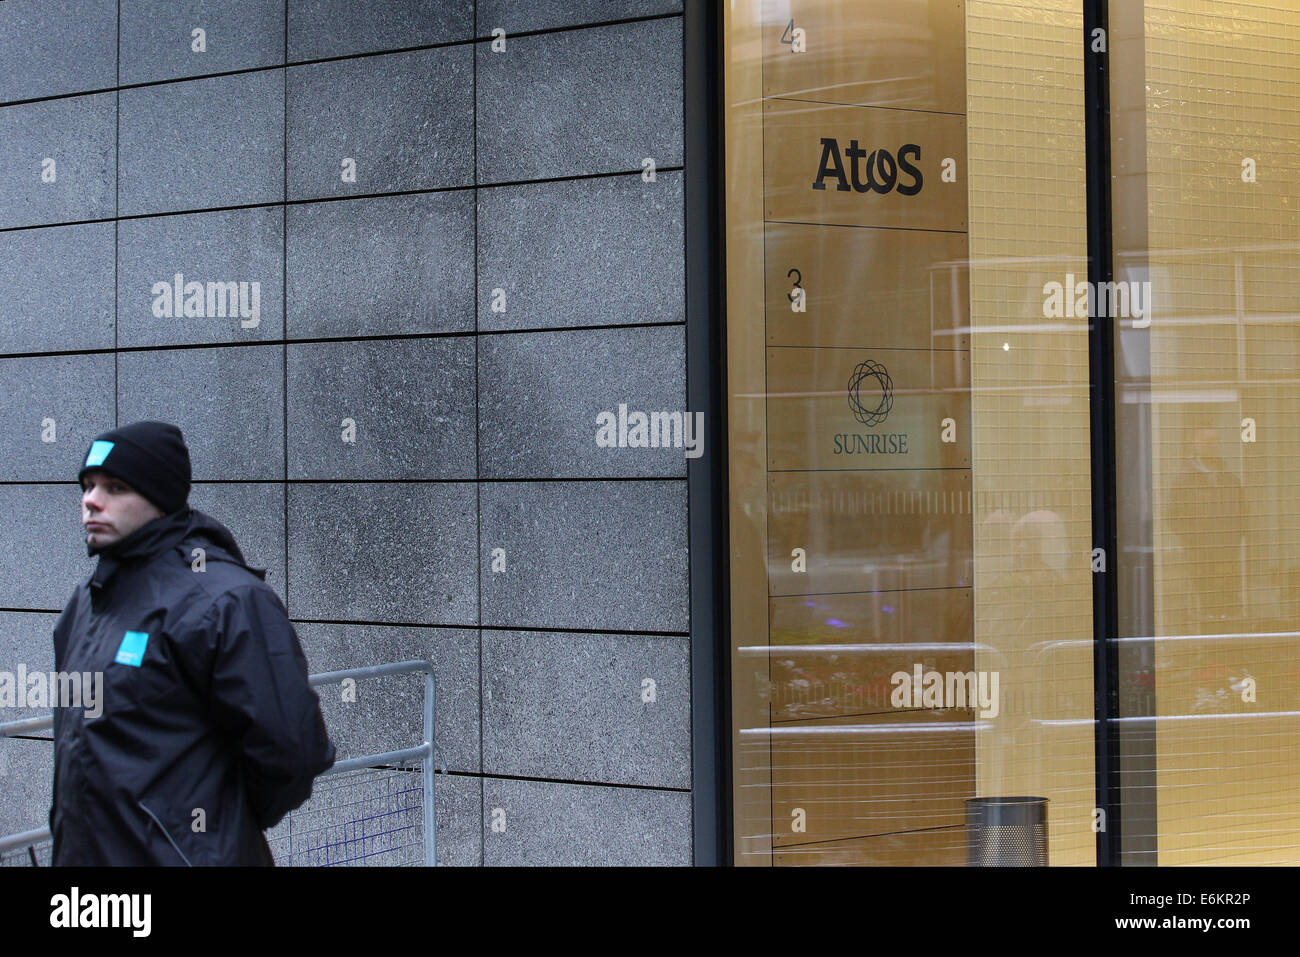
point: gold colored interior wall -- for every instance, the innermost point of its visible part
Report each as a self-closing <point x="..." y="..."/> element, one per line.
<point x="1028" y="441"/>
<point x="829" y="767"/>
<point x="1223" y="85"/>
<point x="747" y="435"/>
<point x="1030" y="429"/>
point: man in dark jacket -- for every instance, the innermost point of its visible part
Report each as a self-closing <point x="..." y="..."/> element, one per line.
<point x="209" y="732"/>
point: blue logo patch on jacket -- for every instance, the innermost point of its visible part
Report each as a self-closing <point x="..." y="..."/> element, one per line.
<point x="98" y="452"/>
<point x="131" y="650"/>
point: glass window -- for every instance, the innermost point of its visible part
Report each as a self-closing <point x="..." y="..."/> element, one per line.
<point x="913" y="432"/>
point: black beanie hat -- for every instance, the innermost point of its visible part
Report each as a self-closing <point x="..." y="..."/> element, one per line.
<point x="149" y="456"/>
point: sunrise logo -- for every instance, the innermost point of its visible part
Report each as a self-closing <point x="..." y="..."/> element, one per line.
<point x="870" y="376"/>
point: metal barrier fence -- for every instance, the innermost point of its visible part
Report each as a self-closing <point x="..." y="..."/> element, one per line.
<point x="371" y="810"/>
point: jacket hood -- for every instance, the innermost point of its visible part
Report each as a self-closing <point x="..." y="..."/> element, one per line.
<point x="202" y="525"/>
<point x="163" y="533"/>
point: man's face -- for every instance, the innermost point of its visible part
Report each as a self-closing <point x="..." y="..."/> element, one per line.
<point x="111" y="509"/>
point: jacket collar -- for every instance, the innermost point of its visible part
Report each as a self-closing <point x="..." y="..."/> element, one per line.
<point x="161" y="534"/>
<point x="149" y="539"/>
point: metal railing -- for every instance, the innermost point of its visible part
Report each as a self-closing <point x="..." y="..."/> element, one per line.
<point x="331" y="849"/>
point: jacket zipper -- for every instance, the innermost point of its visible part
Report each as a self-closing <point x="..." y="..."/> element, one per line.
<point x="165" y="833"/>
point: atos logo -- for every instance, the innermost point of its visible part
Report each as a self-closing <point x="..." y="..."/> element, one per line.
<point x="879" y="174"/>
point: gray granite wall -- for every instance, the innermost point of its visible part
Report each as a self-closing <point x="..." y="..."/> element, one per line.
<point x="498" y="272"/>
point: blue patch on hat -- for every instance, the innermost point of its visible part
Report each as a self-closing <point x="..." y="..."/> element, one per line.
<point x="98" y="452"/>
<point x="131" y="650"/>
